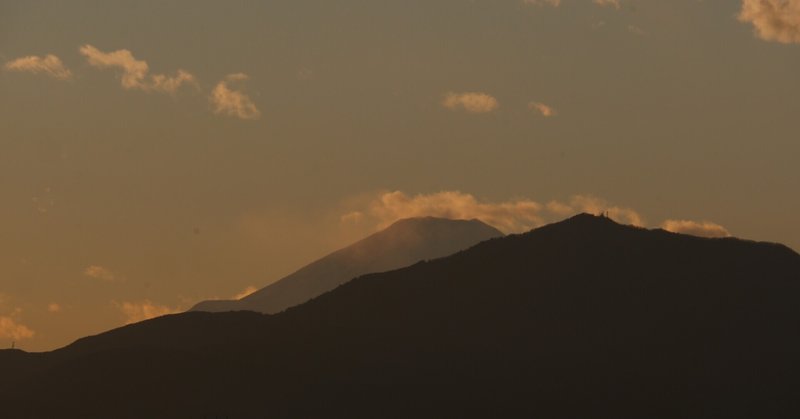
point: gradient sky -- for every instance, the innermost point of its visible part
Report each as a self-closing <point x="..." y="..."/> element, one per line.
<point x="154" y="154"/>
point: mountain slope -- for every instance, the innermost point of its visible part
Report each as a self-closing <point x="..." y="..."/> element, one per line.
<point x="401" y="244"/>
<point x="583" y="318"/>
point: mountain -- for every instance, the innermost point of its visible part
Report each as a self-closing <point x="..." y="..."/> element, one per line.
<point x="403" y="243"/>
<point x="582" y="318"/>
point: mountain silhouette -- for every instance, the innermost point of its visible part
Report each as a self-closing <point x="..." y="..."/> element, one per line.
<point x="582" y="318"/>
<point x="405" y="242"/>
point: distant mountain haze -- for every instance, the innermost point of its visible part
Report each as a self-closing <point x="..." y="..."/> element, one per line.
<point x="404" y="242"/>
<point x="582" y="318"/>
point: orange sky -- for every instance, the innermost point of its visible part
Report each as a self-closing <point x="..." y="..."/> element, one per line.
<point x="153" y="155"/>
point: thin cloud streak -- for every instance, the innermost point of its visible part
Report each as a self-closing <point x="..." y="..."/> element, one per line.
<point x="551" y="3"/>
<point x="49" y="65"/>
<point x="695" y="228"/>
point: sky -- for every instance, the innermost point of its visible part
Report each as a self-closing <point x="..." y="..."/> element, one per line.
<point x="154" y="154"/>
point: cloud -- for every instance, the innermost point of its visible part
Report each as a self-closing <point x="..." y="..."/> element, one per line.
<point x="610" y="3"/>
<point x="232" y="102"/>
<point x="99" y="272"/>
<point x="136" y="311"/>
<point x="54" y="307"/>
<point x="247" y="291"/>
<point x="773" y="20"/>
<point x="470" y="101"/>
<point x="552" y="3"/>
<point x="162" y="83"/>
<point x="353" y="217"/>
<point x="49" y="65"/>
<point x="135" y="73"/>
<point x="10" y="328"/>
<point x="544" y="110"/>
<point x="511" y="216"/>
<point x="694" y="228"/>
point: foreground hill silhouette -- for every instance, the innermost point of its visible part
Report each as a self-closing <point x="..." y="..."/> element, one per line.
<point x="583" y="318"/>
<point x="401" y="244"/>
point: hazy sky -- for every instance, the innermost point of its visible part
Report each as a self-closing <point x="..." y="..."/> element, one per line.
<point x="153" y="154"/>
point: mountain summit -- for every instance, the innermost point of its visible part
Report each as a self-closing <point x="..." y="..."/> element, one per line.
<point x="582" y="318"/>
<point x="405" y="242"/>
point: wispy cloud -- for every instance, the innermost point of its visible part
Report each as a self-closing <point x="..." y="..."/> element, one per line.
<point x="136" y="311"/>
<point x="636" y="30"/>
<point x="544" y="110"/>
<point x="608" y="3"/>
<point x="135" y="73"/>
<point x="99" y="272"/>
<point x="245" y="292"/>
<point x="233" y="102"/>
<point x="552" y="3"/>
<point x="49" y="65"/>
<point x="511" y="216"/>
<point x="472" y="102"/>
<point x="54" y="308"/>
<point x="695" y="228"/>
<point x="773" y="20"/>
<point x="11" y="328"/>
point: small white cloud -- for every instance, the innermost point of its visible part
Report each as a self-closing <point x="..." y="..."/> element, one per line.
<point x="233" y="102"/>
<point x="773" y="20"/>
<point x="54" y="307"/>
<point x="99" y="272"/>
<point x="136" y="311"/>
<point x="608" y="3"/>
<point x="695" y="228"/>
<point x="49" y="65"/>
<point x="472" y="102"/>
<point x="11" y="328"/>
<point x="135" y="73"/>
<point x="545" y="110"/>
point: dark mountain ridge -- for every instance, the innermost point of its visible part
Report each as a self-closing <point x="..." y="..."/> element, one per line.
<point x="402" y="243"/>
<point x="583" y="318"/>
